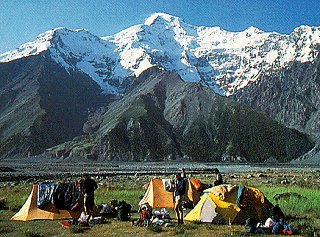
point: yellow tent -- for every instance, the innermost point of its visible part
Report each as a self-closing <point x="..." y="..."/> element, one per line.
<point x="225" y="192"/>
<point x="253" y="201"/>
<point x="211" y="209"/>
<point x="158" y="197"/>
<point x="222" y="200"/>
<point x="29" y="210"/>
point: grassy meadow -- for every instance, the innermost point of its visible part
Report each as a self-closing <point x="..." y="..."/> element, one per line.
<point x="302" y="209"/>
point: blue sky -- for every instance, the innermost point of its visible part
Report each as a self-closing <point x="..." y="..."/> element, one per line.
<point x="22" y="20"/>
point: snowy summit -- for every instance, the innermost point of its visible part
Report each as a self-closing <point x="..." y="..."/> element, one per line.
<point x="225" y="61"/>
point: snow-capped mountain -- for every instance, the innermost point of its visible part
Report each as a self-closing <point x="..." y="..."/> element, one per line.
<point x="74" y="49"/>
<point x="225" y="61"/>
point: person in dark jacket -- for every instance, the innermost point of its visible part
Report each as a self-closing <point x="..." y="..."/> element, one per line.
<point x="180" y="188"/>
<point x="218" y="180"/>
<point x="88" y="188"/>
<point x="183" y="173"/>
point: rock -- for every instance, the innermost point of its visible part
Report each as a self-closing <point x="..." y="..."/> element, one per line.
<point x="285" y="181"/>
<point x="168" y="224"/>
<point x="261" y="175"/>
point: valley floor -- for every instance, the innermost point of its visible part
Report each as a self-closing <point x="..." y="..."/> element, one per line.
<point x="125" y="182"/>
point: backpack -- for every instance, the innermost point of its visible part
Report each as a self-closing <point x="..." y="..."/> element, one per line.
<point x="250" y="225"/>
<point x="123" y="211"/>
<point x="288" y="229"/>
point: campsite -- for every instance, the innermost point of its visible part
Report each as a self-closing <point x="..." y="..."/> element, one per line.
<point x="296" y="192"/>
<point x="159" y="118"/>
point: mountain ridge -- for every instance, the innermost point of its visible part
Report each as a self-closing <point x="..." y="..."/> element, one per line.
<point x="225" y="61"/>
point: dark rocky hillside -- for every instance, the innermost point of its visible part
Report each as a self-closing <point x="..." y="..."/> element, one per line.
<point x="42" y="104"/>
<point x="165" y="118"/>
<point x="291" y="96"/>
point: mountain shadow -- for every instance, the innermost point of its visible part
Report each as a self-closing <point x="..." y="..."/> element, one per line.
<point x="42" y="104"/>
<point x="291" y="96"/>
<point x="165" y="118"/>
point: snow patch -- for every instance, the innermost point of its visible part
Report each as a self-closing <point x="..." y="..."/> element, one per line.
<point x="271" y="56"/>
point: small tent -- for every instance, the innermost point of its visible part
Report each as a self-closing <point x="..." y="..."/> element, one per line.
<point x="223" y="201"/>
<point x="157" y="197"/>
<point x="30" y="211"/>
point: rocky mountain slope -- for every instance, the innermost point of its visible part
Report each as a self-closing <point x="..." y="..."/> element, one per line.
<point x="165" y="118"/>
<point x="291" y="96"/>
<point x="42" y="104"/>
<point x="225" y="61"/>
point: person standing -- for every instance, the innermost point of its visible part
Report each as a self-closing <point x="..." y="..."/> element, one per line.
<point x="180" y="188"/>
<point x="88" y="187"/>
<point x="183" y="173"/>
<point x="218" y="180"/>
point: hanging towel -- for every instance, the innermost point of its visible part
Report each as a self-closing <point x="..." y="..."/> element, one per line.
<point x="168" y="185"/>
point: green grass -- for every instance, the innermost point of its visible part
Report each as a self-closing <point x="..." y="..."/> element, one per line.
<point x="304" y="214"/>
<point x="308" y="206"/>
<point x="15" y="196"/>
<point x="105" y="195"/>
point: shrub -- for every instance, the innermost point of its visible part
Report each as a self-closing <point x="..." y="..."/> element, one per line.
<point x="3" y="204"/>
